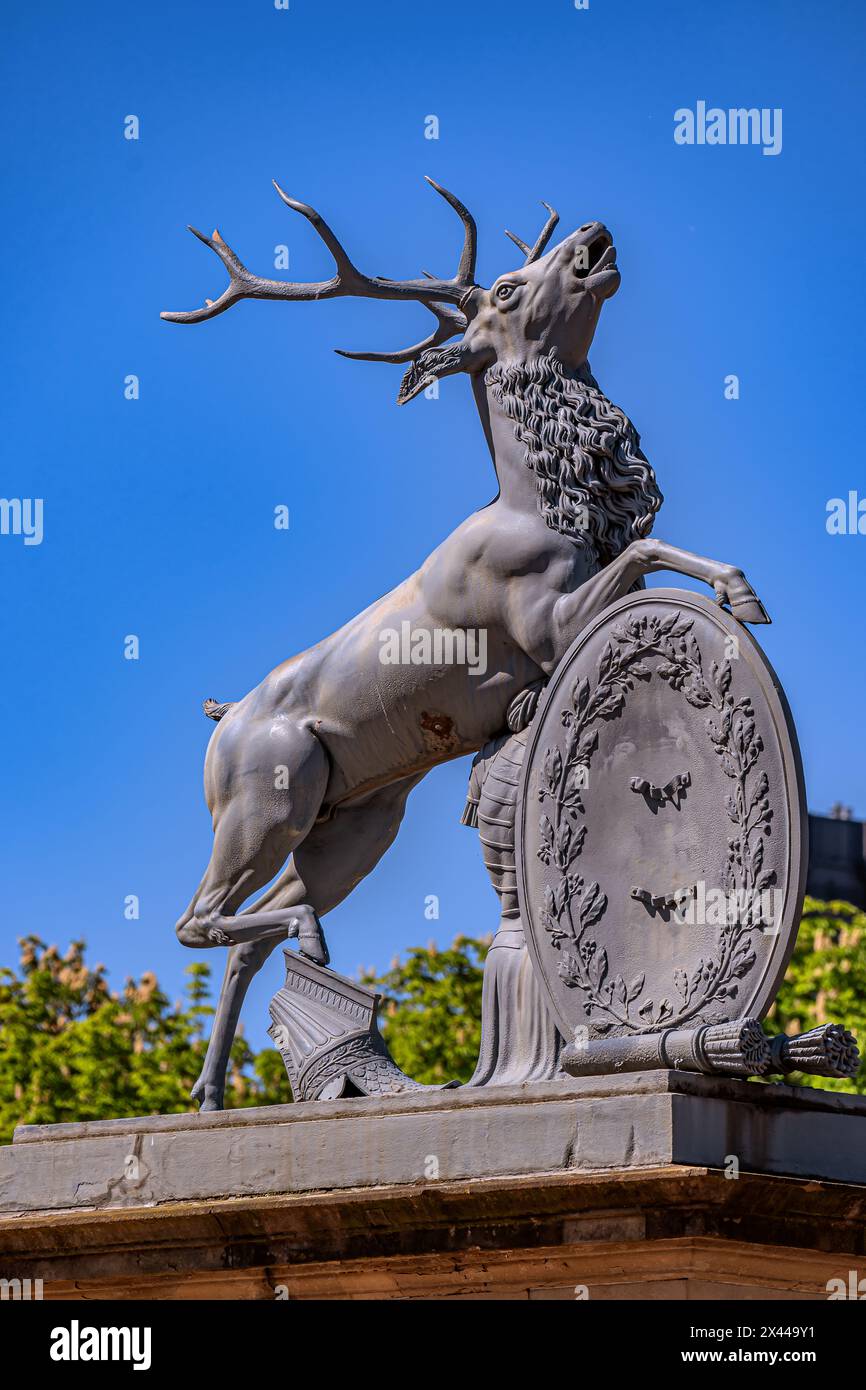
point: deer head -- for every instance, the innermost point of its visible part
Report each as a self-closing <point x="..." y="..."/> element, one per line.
<point x="550" y="306"/>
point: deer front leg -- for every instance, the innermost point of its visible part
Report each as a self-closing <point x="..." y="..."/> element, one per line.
<point x="573" y="611"/>
<point x="730" y="583"/>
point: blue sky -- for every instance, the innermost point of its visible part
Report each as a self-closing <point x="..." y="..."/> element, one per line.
<point x="158" y="513"/>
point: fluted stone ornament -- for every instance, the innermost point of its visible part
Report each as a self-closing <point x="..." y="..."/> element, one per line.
<point x="324" y="1027"/>
<point x="830" y="1050"/>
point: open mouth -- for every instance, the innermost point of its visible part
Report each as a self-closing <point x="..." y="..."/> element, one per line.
<point x="600" y="255"/>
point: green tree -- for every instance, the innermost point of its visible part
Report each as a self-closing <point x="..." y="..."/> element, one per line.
<point x="431" y="1009"/>
<point x="71" y="1049"/>
<point x="826" y="982"/>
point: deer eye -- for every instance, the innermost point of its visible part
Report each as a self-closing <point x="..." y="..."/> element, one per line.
<point x="505" y="291"/>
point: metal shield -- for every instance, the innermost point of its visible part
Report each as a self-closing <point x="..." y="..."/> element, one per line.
<point x="661" y="842"/>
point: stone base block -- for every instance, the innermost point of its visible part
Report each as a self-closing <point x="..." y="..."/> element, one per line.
<point x="652" y="1185"/>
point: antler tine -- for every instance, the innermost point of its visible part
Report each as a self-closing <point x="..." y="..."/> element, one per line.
<point x="521" y="245"/>
<point x="546" y="233"/>
<point x="346" y="271"/>
<point x="348" y="280"/>
<point x="238" y="277"/>
<point x="451" y="322"/>
<point x="466" y="266"/>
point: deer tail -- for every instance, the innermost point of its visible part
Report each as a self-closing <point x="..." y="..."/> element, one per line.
<point x="215" y="711"/>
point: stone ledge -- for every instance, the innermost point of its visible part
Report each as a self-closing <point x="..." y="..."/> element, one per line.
<point x="770" y="1096"/>
<point x="590" y="1124"/>
<point x="617" y="1183"/>
<point x="655" y="1233"/>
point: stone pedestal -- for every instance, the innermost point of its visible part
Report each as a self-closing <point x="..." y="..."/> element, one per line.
<point x="656" y="1185"/>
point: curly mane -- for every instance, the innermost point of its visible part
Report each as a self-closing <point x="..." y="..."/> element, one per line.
<point x="593" y="482"/>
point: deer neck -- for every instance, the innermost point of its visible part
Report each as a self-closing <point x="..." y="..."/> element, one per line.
<point x="517" y="483"/>
<point x="515" y="479"/>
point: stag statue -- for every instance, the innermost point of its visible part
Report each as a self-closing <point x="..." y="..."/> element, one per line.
<point x="566" y="534"/>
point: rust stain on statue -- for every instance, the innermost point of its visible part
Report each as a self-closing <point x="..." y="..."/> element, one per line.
<point x="438" y="731"/>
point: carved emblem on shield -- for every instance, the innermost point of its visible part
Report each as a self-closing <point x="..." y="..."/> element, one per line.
<point x="662" y="838"/>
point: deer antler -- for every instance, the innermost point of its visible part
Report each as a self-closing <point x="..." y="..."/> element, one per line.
<point x="348" y="280"/>
<point x="544" y="237"/>
<point x="451" y="322"/>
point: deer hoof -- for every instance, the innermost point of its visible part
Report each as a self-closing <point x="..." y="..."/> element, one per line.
<point x="311" y="939"/>
<point x="209" y="1097"/>
<point x="750" y="610"/>
<point x="732" y="588"/>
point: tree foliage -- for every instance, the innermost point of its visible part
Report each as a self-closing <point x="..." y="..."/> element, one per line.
<point x="826" y="982"/>
<point x="431" y="1009"/>
<point x="71" y="1049"/>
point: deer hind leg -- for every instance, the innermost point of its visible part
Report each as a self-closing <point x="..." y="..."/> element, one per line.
<point x="326" y="866"/>
<point x="243" y="964"/>
<point x="258" y="822"/>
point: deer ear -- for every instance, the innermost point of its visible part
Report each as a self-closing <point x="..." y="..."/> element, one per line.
<point x="429" y="366"/>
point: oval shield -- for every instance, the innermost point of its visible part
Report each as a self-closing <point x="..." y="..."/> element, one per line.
<point x="661" y="845"/>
